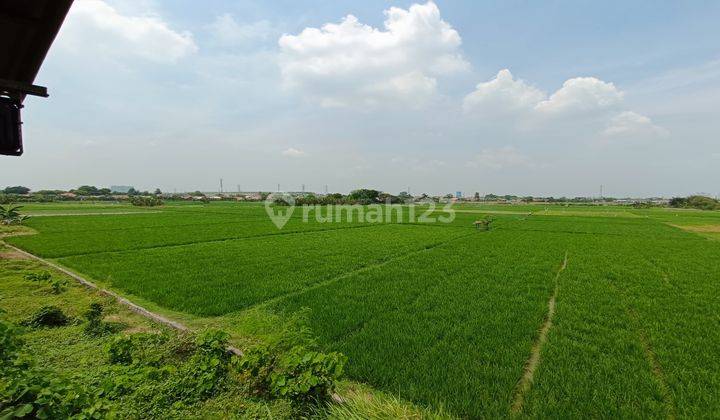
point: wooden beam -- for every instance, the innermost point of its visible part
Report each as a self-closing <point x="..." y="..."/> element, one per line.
<point x="21" y="88"/>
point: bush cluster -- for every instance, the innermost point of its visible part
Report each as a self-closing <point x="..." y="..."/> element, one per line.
<point x="155" y="375"/>
<point x="145" y="200"/>
<point x="47" y="316"/>
<point x="695" y="202"/>
<point x="27" y="391"/>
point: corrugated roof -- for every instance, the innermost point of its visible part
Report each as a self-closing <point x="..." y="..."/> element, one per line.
<point x="27" y="29"/>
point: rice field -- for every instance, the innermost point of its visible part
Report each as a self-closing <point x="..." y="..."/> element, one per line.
<point x="443" y="315"/>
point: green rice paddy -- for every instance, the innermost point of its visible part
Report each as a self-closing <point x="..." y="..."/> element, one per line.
<point x="443" y="315"/>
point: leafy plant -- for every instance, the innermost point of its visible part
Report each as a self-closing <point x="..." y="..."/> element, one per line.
<point x="11" y="215"/>
<point x="42" y="276"/>
<point x="47" y="316"/>
<point x="95" y="327"/>
<point x="120" y="350"/>
<point x="299" y="374"/>
<point x="10" y="342"/>
<point x="29" y="392"/>
<point x="206" y="370"/>
<point x="35" y="393"/>
<point x="58" y="286"/>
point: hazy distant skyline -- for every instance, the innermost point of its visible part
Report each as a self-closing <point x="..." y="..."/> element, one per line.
<point x="495" y="97"/>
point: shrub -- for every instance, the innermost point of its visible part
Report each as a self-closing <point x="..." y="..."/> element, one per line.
<point x="206" y="370"/>
<point x="47" y="316"/>
<point x="29" y="392"/>
<point x="299" y="374"/>
<point x="10" y="342"/>
<point x="42" y="276"/>
<point x="12" y="216"/>
<point x="145" y="201"/>
<point x="95" y="327"/>
<point x="120" y="350"/>
<point x="696" y="202"/>
<point x="58" y="286"/>
<point x="34" y="393"/>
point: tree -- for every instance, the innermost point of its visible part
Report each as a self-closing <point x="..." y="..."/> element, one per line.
<point x="133" y="191"/>
<point x="364" y="196"/>
<point x="678" y="202"/>
<point x="87" y="190"/>
<point x="104" y="191"/>
<point x="157" y="191"/>
<point x="405" y="197"/>
<point x="389" y="198"/>
<point x="476" y="197"/>
<point x="16" y="190"/>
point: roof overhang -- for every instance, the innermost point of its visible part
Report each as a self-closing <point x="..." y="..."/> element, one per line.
<point x="27" y="30"/>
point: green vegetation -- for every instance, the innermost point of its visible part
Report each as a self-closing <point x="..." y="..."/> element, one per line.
<point x="446" y="316"/>
<point x="145" y="201"/>
<point x="138" y="369"/>
<point x="695" y="202"/>
<point x="11" y="215"/>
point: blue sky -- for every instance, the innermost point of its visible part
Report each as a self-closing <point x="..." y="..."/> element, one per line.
<point x="544" y="98"/>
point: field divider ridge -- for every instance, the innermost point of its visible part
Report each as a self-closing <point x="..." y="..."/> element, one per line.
<point x="210" y="241"/>
<point x="648" y="351"/>
<point x="532" y="363"/>
<point x="339" y="277"/>
<point x="123" y="301"/>
<point x="113" y="213"/>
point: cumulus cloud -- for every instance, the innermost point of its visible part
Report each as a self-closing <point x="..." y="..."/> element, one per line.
<point x="632" y="124"/>
<point x="502" y="95"/>
<point x="585" y="103"/>
<point x="95" y="26"/>
<point x="226" y="30"/>
<point x="293" y="152"/>
<point x="581" y="95"/>
<point x="353" y="63"/>
<point x="499" y="158"/>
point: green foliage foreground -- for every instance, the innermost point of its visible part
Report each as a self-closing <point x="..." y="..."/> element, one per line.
<point x="151" y="375"/>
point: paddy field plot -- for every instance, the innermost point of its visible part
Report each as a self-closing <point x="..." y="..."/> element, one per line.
<point x="443" y="315"/>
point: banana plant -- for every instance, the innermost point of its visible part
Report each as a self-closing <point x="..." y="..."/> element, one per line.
<point x="11" y="215"/>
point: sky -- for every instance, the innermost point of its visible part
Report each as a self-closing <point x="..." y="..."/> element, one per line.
<point x="513" y="97"/>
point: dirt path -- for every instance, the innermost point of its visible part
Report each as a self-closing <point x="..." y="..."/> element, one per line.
<point x="132" y="306"/>
<point x="533" y="361"/>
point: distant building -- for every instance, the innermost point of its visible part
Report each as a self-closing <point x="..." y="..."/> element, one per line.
<point x="120" y="189"/>
<point x="458" y="194"/>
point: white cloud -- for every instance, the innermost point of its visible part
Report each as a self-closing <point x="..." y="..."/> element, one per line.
<point x="95" y="28"/>
<point x="584" y="105"/>
<point x="632" y="124"/>
<point x="293" y="152"/>
<point x="502" y="96"/>
<point x="499" y="158"/>
<point x="581" y="95"/>
<point x="353" y="63"/>
<point x="228" y="31"/>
